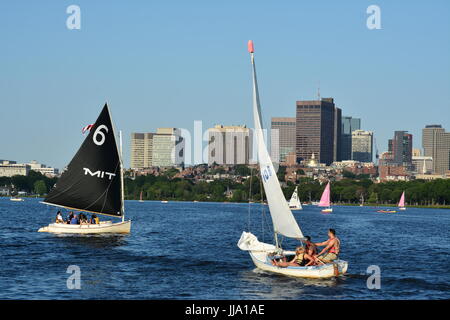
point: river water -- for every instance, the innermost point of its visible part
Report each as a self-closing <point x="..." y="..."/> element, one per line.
<point x="186" y="250"/>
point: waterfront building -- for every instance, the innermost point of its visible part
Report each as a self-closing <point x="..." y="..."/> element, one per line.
<point x="43" y="169"/>
<point x="168" y="148"/>
<point x="348" y="125"/>
<point x="230" y="145"/>
<point x="141" y="150"/>
<point x="316" y="131"/>
<point x="10" y="168"/>
<point x="282" y="138"/>
<point x="436" y="144"/>
<point x="362" y="146"/>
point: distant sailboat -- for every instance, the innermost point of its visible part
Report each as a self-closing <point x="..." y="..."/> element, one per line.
<point x="16" y="199"/>
<point x="93" y="182"/>
<point x="294" y="203"/>
<point x="401" y="203"/>
<point x="284" y="223"/>
<point x="140" y="197"/>
<point x="325" y="199"/>
<point x="362" y="201"/>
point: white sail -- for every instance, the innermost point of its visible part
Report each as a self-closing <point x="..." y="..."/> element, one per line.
<point x="283" y="221"/>
<point x="294" y="203"/>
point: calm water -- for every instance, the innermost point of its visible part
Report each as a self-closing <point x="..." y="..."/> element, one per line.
<point x="183" y="250"/>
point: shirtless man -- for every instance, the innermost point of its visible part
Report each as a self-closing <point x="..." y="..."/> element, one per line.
<point x="331" y="250"/>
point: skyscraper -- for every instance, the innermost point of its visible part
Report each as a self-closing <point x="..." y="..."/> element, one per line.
<point x="436" y="144"/>
<point x="141" y="150"/>
<point x="168" y="147"/>
<point x="229" y="145"/>
<point x="349" y="125"/>
<point x="316" y="131"/>
<point x="282" y="138"/>
<point x="362" y="146"/>
<point x="401" y="146"/>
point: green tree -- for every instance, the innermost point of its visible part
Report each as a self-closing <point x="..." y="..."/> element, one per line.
<point x="40" y="187"/>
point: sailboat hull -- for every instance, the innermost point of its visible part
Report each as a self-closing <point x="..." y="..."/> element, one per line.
<point x="103" y="227"/>
<point x="262" y="262"/>
<point x="327" y="210"/>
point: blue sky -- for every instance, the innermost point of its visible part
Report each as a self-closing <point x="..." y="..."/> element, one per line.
<point x="168" y="63"/>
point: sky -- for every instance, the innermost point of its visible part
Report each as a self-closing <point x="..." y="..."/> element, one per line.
<point x="169" y="63"/>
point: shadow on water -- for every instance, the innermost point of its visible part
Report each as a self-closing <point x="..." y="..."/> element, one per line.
<point x="98" y="241"/>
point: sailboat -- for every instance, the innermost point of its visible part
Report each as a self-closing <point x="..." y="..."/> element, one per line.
<point x="401" y="203"/>
<point x="140" y="197"/>
<point x="294" y="203"/>
<point x="325" y="199"/>
<point x="93" y="182"/>
<point x="284" y="223"/>
<point x="362" y="201"/>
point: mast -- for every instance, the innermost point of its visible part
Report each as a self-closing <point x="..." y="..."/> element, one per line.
<point x="121" y="177"/>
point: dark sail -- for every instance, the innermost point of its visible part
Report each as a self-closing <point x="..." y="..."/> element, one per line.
<point x="92" y="181"/>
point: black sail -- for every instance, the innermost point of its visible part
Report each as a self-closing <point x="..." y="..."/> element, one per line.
<point x="92" y="181"/>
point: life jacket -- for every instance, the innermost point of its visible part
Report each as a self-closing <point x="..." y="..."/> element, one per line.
<point x="334" y="249"/>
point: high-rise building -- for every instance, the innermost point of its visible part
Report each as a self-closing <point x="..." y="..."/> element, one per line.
<point x="168" y="148"/>
<point x="316" y="131"/>
<point x="436" y="144"/>
<point x="362" y="146"/>
<point x="282" y="138"/>
<point x="141" y="150"/>
<point x="349" y="125"/>
<point x="401" y="148"/>
<point x="229" y="145"/>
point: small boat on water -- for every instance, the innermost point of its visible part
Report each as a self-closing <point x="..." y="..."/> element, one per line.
<point x="164" y="201"/>
<point x="294" y="203"/>
<point x="284" y="223"/>
<point x="16" y="199"/>
<point x="325" y="200"/>
<point x="140" y="198"/>
<point x="93" y="182"/>
<point x="401" y="203"/>
<point x="386" y="211"/>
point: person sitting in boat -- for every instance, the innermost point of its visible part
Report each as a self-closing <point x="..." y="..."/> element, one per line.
<point x="83" y="218"/>
<point x="69" y="217"/>
<point x="95" y="219"/>
<point x="331" y="250"/>
<point x="74" y="219"/>
<point x="59" y="218"/>
<point x="295" y="262"/>
<point x="310" y="255"/>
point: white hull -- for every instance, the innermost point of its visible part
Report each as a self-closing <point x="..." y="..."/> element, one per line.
<point x="324" y="271"/>
<point x="402" y="208"/>
<point x="329" y="210"/>
<point x="103" y="227"/>
<point x="295" y="208"/>
<point x="16" y="199"/>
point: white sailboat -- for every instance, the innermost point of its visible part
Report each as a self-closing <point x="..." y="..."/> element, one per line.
<point x="93" y="182"/>
<point x="284" y="223"/>
<point x="16" y="199"/>
<point x="294" y="203"/>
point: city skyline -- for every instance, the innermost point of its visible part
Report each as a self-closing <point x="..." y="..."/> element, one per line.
<point x="54" y="80"/>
